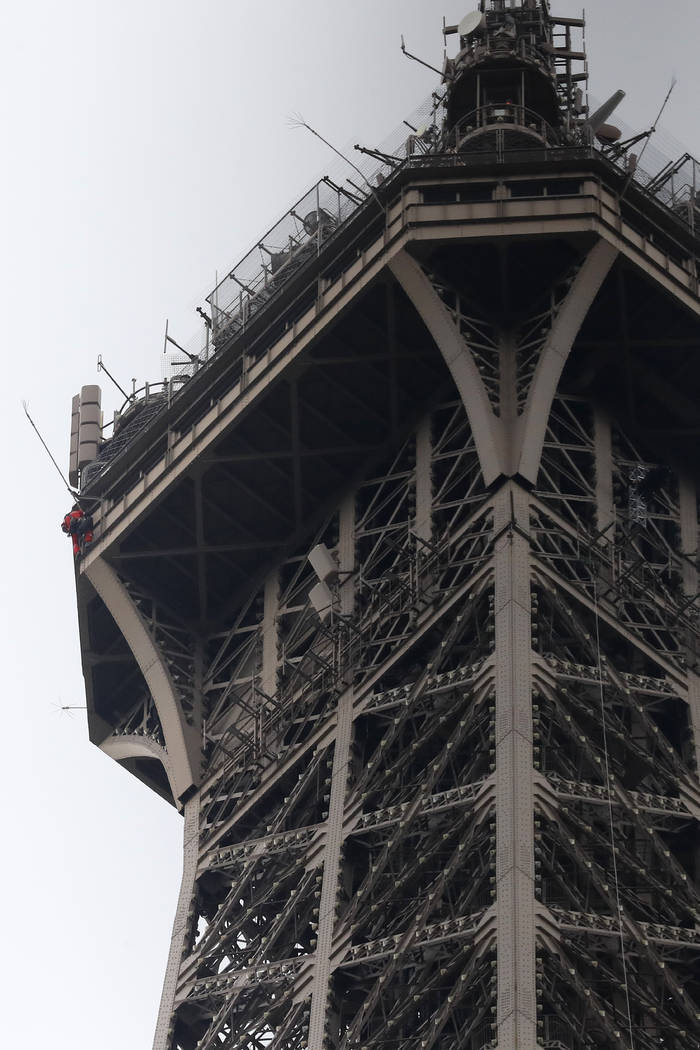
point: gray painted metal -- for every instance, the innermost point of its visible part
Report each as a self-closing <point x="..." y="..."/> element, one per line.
<point x="181" y="740"/>
<point x="515" y="854"/>
<point x="519" y="926"/>
<point x="555" y="352"/>
<point x="408" y="221"/>
<point x="404" y="824"/>
<point x="181" y="926"/>
<point x="138" y="746"/>
<point x="604" y="495"/>
<point x="73" y="475"/>
<point x="89" y="424"/>
<point x="458" y="359"/>
<point x="519" y="541"/>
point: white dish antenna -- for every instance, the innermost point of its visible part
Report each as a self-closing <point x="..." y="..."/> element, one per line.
<point x="608" y="133"/>
<point x="470" y="23"/>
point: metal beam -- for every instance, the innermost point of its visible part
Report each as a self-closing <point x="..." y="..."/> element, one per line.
<point x="458" y="359"/>
<point x="555" y="353"/>
<point x="515" y="847"/>
<point x="181" y="927"/>
<point x="181" y="741"/>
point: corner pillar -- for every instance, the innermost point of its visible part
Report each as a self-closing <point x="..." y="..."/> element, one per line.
<point x="515" y="834"/>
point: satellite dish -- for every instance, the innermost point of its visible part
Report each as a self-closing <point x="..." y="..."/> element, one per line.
<point x="470" y="23"/>
<point x="314" y="219"/>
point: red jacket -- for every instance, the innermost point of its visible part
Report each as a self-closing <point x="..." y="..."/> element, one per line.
<point x="70" y="521"/>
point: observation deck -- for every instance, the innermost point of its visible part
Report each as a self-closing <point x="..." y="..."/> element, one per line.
<point x="394" y="589"/>
<point x="295" y="260"/>
<point x="221" y="470"/>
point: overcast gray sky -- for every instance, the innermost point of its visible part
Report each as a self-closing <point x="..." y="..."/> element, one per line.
<point x="146" y="146"/>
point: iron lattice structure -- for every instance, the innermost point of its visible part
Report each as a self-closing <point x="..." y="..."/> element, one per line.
<point x="451" y="800"/>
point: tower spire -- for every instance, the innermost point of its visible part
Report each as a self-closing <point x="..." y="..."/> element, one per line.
<point x="517" y="73"/>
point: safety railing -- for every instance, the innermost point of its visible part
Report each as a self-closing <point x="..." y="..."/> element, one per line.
<point x="304" y="230"/>
<point x="298" y="236"/>
<point x="137" y="411"/>
<point x="317" y="218"/>
<point x="501" y="116"/>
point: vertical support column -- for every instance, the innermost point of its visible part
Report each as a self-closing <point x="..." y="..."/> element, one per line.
<point x="178" y="940"/>
<point x="515" y="842"/>
<point x="198" y="683"/>
<point x="270" y="652"/>
<point x="182" y="741"/>
<point x="424" y="481"/>
<point x="393" y="358"/>
<point x="508" y="402"/>
<point x="555" y="353"/>
<point x="604" y="499"/>
<point x="605" y="506"/>
<point x="346" y="555"/>
<point x="270" y="658"/>
<point x="336" y="804"/>
<point x="689" y="547"/>
<point x="689" y="533"/>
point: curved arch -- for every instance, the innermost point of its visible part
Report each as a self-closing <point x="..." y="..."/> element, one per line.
<point x="133" y="746"/>
<point x="181" y="740"/>
<point x="455" y="351"/>
<point x="555" y="353"/>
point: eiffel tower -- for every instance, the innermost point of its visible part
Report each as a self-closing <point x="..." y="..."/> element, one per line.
<point x="394" y="590"/>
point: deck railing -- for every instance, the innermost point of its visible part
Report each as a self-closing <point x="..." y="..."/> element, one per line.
<point x="318" y="217"/>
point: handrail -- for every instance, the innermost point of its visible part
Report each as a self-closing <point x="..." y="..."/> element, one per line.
<point x="500" y="115"/>
<point x="320" y="215"/>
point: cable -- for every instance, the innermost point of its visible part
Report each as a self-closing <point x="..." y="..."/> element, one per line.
<point x="649" y="133"/>
<point x="297" y="121"/>
<point x="610" y="813"/>
<point x="73" y="493"/>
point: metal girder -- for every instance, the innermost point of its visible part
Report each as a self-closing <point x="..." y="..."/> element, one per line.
<point x="453" y="802"/>
<point x="499" y="453"/>
<point x="181" y="741"/>
<point x="458" y="359"/>
<point x="335" y="821"/>
<point x="551" y="362"/>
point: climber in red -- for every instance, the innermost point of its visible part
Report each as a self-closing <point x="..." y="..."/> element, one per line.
<point x="78" y="525"/>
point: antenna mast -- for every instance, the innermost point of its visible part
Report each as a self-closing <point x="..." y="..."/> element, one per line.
<point x="74" y="494"/>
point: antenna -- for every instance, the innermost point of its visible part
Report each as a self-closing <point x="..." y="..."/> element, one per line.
<point x="470" y="23"/>
<point x="440" y="72"/>
<point x="101" y="367"/>
<point x="598" y="119"/>
<point x="649" y="133"/>
<point x="297" y="121"/>
<point x="169" y="339"/>
<point x="74" y="494"/>
<point x="68" y="707"/>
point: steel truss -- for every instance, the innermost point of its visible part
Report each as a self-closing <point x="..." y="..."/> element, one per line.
<point x="344" y="839"/>
<point x="443" y="795"/>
